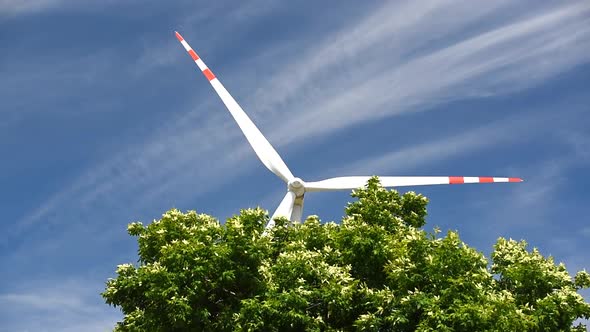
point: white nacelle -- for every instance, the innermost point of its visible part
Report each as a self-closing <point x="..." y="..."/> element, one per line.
<point x="297" y="186"/>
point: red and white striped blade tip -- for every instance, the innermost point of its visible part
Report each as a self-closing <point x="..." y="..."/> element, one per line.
<point x="481" y="179"/>
<point x="178" y="36"/>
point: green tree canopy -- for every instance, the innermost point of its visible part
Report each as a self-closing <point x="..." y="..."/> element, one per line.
<point x="377" y="270"/>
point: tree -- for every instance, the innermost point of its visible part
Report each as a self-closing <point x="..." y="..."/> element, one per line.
<point x="377" y="270"/>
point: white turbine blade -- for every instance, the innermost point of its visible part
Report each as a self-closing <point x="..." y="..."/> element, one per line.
<point x="265" y="152"/>
<point x="354" y="182"/>
<point x="285" y="209"/>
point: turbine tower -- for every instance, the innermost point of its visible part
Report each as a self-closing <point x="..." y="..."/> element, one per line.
<point x="291" y="206"/>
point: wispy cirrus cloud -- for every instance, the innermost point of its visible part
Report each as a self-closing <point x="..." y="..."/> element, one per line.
<point x="511" y="132"/>
<point x="13" y="7"/>
<point x="535" y="210"/>
<point x="156" y="53"/>
<point x="507" y="58"/>
<point x="65" y="305"/>
<point x="395" y="31"/>
<point x="29" y="85"/>
<point x="19" y="8"/>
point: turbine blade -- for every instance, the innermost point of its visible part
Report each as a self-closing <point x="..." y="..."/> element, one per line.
<point x="265" y="152"/>
<point x="354" y="182"/>
<point x="285" y="209"/>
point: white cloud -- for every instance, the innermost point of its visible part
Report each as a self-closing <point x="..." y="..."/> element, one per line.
<point x="12" y="7"/>
<point x="27" y="7"/>
<point x="535" y="204"/>
<point x="70" y="305"/>
<point x="16" y="8"/>
<point x="194" y="25"/>
<point x="505" y="59"/>
<point x="387" y="36"/>
<point x="461" y="144"/>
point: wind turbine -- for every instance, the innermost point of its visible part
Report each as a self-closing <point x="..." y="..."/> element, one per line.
<point x="291" y="206"/>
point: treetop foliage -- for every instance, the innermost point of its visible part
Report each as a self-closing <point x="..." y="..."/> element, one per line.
<point x="376" y="270"/>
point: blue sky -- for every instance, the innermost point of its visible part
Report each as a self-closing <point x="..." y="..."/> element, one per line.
<point x="106" y="120"/>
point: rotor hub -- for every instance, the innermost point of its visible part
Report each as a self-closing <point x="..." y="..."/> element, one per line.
<point x="297" y="186"/>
